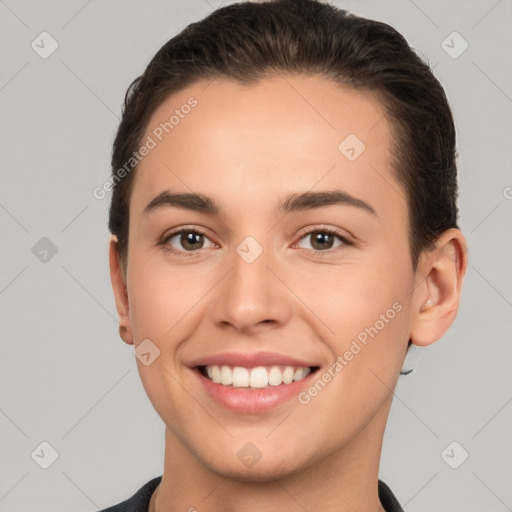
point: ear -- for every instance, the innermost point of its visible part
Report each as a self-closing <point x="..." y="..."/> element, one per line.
<point x="120" y="292"/>
<point x="436" y="298"/>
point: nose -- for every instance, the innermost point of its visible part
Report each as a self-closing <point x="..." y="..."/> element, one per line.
<point x="252" y="296"/>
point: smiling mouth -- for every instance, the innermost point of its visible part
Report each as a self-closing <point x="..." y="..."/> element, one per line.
<point x="258" y="377"/>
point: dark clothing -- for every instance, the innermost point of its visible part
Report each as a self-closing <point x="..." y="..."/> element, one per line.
<point x="387" y="498"/>
<point x="139" y="502"/>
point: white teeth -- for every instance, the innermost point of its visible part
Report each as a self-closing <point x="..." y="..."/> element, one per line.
<point x="240" y="377"/>
<point x="226" y="376"/>
<point x="215" y="374"/>
<point x="257" y="378"/>
<point x="300" y="373"/>
<point x="288" y="375"/>
<point x="275" y="376"/>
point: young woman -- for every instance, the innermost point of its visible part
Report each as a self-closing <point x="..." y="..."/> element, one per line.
<point x="284" y="228"/>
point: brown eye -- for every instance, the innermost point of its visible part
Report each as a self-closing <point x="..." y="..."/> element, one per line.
<point x="324" y="240"/>
<point x="186" y="240"/>
<point x="320" y="240"/>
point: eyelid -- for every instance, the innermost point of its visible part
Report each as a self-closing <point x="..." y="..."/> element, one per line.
<point x="342" y="233"/>
<point x="185" y="227"/>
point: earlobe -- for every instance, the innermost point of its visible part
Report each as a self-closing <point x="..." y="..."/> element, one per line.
<point x="120" y="292"/>
<point x="436" y="300"/>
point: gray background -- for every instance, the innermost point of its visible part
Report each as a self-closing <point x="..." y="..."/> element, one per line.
<point x="67" y="378"/>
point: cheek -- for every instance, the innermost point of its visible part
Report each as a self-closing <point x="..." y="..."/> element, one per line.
<point x="366" y="306"/>
<point x="159" y="303"/>
<point x="154" y="300"/>
<point x="163" y="298"/>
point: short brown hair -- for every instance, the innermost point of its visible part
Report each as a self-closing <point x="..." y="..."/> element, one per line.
<point x="246" y="42"/>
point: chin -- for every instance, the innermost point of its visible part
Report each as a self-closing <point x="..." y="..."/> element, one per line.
<point x="266" y="469"/>
<point x="260" y="473"/>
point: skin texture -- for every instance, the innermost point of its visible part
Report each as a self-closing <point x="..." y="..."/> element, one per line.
<point x="247" y="147"/>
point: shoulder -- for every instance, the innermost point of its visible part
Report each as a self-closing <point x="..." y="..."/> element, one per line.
<point x="138" y="502"/>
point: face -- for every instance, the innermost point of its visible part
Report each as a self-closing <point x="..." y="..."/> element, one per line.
<point x="295" y="255"/>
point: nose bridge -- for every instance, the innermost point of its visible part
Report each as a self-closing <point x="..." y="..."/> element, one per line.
<point x="250" y="293"/>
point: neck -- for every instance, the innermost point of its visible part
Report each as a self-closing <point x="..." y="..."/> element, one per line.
<point x="344" y="480"/>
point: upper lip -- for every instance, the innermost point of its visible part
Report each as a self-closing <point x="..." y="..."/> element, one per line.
<point x="250" y="360"/>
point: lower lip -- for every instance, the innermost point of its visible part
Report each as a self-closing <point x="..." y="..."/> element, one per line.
<point x="252" y="400"/>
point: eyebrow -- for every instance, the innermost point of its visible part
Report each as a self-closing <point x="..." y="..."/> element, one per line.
<point x="292" y="203"/>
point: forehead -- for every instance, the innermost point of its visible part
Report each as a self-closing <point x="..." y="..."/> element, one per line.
<point x="221" y="137"/>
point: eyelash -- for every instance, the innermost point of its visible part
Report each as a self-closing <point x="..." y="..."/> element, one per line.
<point x="330" y="231"/>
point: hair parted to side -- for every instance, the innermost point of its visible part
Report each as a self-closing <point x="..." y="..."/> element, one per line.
<point x="248" y="41"/>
